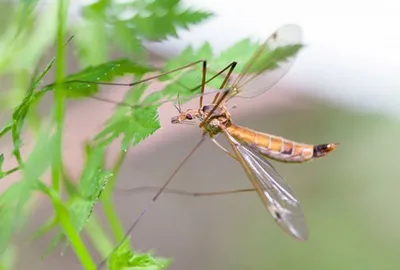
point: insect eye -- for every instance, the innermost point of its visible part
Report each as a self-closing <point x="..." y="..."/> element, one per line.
<point x="189" y="117"/>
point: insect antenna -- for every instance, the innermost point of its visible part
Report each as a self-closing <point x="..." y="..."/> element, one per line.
<point x="178" y="108"/>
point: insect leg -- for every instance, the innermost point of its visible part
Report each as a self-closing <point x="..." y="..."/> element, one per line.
<point x="222" y="148"/>
<point x="203" y="82"/>
<point x="182" y="192"/>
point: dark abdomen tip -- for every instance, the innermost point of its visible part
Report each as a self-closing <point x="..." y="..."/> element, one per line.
<point x="323" y="149"/>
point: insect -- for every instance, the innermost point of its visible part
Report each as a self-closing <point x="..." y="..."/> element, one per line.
<point x="250" y="148"/>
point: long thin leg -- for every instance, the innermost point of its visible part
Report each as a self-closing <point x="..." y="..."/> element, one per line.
<point x="222" y="148"/>
<point x="160" y="190"/>
<point x="144" y="80"/>
<point x="162" y="102"/>
<point x="183" y="192"/>
<point x="233" y="65"/>
<point x="212" y="78"/>
<point x="225" y="81"/>
<point x="203" y="83"/>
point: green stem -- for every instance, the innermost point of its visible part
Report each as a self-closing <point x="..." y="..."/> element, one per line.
<point x="63" y="215"/>
<point x="59" y="95"/>
<point x="115" y="223"/>
<point x="13" y="170"/>
<point x="108" y="206"/>
<point x="99" y="239"/>
<point x="115" y="170"/>
<point x="16" y="141"/>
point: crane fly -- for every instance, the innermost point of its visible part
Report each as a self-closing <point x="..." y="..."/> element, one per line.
<point x="250" y="148"/>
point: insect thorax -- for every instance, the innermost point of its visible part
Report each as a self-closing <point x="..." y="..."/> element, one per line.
<point x="220" y="117"/>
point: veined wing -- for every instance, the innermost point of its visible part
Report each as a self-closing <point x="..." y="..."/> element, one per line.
<point x="273" y="190"/>
<point x="269" y="63"/>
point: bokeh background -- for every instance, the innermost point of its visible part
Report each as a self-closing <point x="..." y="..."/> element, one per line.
<point x="343" y="88"/>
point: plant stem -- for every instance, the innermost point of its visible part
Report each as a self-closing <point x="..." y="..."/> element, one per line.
<point x="13" y="170"/>
<point x="115" y="223"/>
<point x="70" y="231"/>
<point x="108" y="206"/>
<point x="99" y="239"/>
<point x="59" y="95"/>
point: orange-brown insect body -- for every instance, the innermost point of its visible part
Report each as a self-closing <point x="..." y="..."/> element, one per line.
<point x="275" y="147"/>
<point x="272" y="146"/>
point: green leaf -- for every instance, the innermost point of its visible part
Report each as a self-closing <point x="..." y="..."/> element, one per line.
<point x="11" y="216"/>
<point x="127" y="40"/>
<point x="240" y="52"/>
<point x="92" y="182"/>
<point x="126" y="25"/>
<point x="124" y="258"/>
<point x="270" y="59"/>
<point x="91" y="39"/>
<point x="5" y="129"/>
<point x="133" y="124"/>
<point x="188" y="81"/>
<point x="86" y="82"/>
<point x="165" y="18"/>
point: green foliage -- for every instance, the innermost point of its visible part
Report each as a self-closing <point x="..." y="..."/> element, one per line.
<point x="135" y="125"/>
<point x="127" y="24"/>
<point x="92" y="181"/>
<point x="106" y="25"/>
<point x="270" y="59"/>
<point x="124" y="258"/>
<point x="76" y="85"/>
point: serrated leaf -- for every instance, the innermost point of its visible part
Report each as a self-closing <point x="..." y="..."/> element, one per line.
<point x="127" y="24"/>
<point x="124" y="258"/>
<point x="187" y="17"/>
<point x="91" y="40"/>
<point x="133" y="124"/>
<point x="270" y="60"/>
<point x="102" y="73"/>
<point x="92" y="182"/>
<point x="164" y="18"/>
<point x="240" y="52"/>
<point x="128" y="42"/>
<point x="187" y="82"/>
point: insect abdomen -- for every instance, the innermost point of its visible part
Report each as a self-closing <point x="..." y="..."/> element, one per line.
<point x="274" y="147"/>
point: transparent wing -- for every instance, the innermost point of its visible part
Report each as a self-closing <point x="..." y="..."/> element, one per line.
<point x="269" y="63"/>
<point x="274" y="191"/>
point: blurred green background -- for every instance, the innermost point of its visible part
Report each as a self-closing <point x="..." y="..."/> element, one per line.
<point x="349" y="197"/>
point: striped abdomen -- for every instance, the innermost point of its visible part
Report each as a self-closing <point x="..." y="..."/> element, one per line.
<point x="279" y="148"/>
